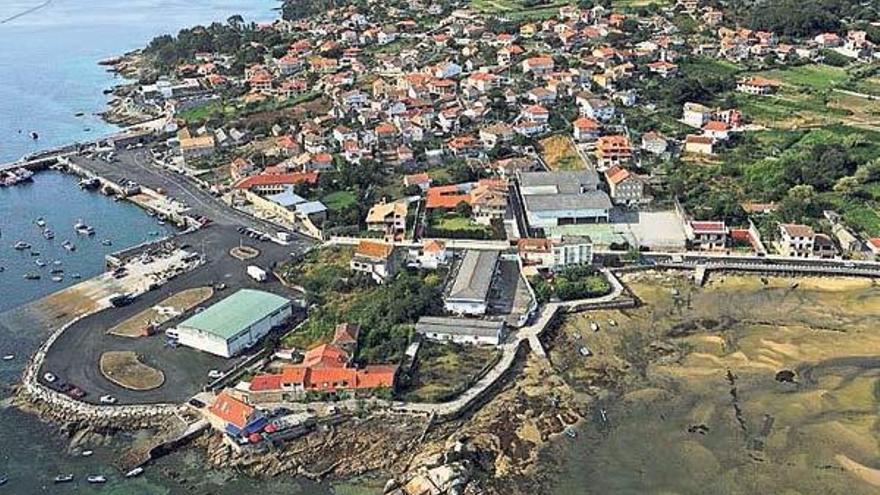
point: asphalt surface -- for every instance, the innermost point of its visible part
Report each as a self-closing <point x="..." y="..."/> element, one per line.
<point x="74" y="357"/>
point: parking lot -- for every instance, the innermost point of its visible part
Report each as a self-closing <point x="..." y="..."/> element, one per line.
<point x="75" y="355"/>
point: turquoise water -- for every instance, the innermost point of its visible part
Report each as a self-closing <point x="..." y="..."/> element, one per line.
<point x="48" y="73"/>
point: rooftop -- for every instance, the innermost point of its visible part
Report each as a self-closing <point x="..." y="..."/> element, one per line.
<point x="458" y="326"/>
<point x="474" y="276"/>
<point x="240" y="310"/>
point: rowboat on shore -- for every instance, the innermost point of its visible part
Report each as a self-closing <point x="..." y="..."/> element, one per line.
<point x="63" y="478"/>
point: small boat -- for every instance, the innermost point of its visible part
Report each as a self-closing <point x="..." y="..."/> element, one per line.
<point x="584" y="351"/>
<point x="81" y="228"/>
<point x="106" y="242"/>
<point x="3" y="479"/>
<point x="32" y="276"/>
<point x="90" y="184"/>
<point x="161" y="222"/>
<point x="57" y="263"/>
<point x="79" y="114"/>
<point x="612" y="323"/>
<point x="63" y="478"/>
<point x="68" y="245"/>
<point x="594" y="326"/>
<point x="87" y="453"/>
<point x="56" y="271"/>
<point x="40" y="222"/>
<point x="96" y="479"/>
<point x="21" y="246"/>
<point x="134" y="472"/>
<point x="35" y="253"/>
<point x="571" y="432"/>
<point x="154" y="233"/>
<point x="35" y="136"/>
<point x="48" y="234"/>
<point x="76" y="276"/>
<point x="58" y="278"/>
<point x="9" y="357"/>
<point x="40" y="263"/>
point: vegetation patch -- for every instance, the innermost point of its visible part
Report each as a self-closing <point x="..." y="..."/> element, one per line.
<point x="445" y="370"/>
<point x="575" y="282"/>
<point x="560" y="154"/>
<point x="125" y="369"/>
<point x="386" y="313"/>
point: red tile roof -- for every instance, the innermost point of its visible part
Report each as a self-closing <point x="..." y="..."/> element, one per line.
<point x="325" y="355"/>
<point x="346" y="333"/>
<point x="231" y="410"/>
<point x="277" y="179"/>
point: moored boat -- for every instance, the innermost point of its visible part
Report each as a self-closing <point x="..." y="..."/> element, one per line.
<point x="96" y="478"/>
<point x="48" y="234"/>
<point x="21" y="246"/>
<point x="32" y="276"/>
<point x="63" y="478"/>
<point x="134" y="472"/>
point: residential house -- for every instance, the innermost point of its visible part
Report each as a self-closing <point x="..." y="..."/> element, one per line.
<point x="699" y="145"/>
<point x="388" y="218"/>
<point x="625" y="187"/>
<point x="585" y="129"/>
<point x="654" y="143"/>
<point x="757" y="86"/>
<point x="538" y="65"/>
<point x="707" y="236"/>
<point x="795" y="240"/>
<point x="375" y="258"/>
<point x="696" y="115"/>
<point x="556" y="253"/>
<point x="612" y="150"/>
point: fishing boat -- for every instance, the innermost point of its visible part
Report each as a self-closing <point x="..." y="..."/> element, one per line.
<point x="56" y="271"/>
<point x="40" y="222"/>
<point x="76" y="276"/>
<point x="571" y="432"/>
<point x="32" y="276"/>
<point x="63" y="478"/>
<point x="96" y="479"/>
<point x="35" y="253"/>
<point x="106" y="242"/>
<point x="68" y="245"/>
<point x="3" y="479"/>
<point x="40" y="263"/>
<point x="87" y="453"/>
<point x="35" y="136"/>
<point x="81" y="228"/>
<point x="134" y="472"/>
<point x="58" y="278"/>
<point x="9" y="357"/>
<point x="594" y="326"/>
<point x="48" y="234"/>
<point x="21" y="246"/>
<point x="57" y="263"/>
<point x="90" y="184"/>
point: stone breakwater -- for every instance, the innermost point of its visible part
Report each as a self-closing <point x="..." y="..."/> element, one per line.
<point x="57" y="406"/>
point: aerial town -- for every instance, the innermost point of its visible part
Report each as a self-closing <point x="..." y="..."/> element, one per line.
<point x="392" y="216"/>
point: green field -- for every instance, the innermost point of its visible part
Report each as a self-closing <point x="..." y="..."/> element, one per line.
<point x="454" y="221"/>
<point x="516" y="10"/>
<point x="813" y="76"/>
<point x="445" y="370"/>
<point x="339" y="200"/>
<point x="705" y="66"/>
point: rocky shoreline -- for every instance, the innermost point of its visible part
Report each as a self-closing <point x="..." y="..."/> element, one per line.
<point x="120" y="111"/>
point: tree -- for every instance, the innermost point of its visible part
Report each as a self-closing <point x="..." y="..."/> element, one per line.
<point x="464" y="209"/>
<point x="868" y="172"/>
<point x="848" y="186"/>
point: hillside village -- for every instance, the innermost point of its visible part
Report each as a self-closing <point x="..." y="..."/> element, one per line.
<point x="467" y="170"/>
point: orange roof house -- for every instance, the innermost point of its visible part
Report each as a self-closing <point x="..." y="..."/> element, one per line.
<point x="231" y="410"/>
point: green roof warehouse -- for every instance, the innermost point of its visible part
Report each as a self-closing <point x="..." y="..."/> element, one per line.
<point x="236" y="323"/>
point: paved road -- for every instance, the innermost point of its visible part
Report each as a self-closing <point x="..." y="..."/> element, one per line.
<point x="74" y="356"/>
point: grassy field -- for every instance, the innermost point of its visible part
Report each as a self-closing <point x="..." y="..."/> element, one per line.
<point x="629" y="4"/>
<point x="705" y="66"/>
<point x="516" y="10"/>
<point x="445" y="370"/>
<point x="560" y="154"/>
<point x="813" y="76"/>
<point x="339" y="200"/>
<point x="454" y="221"/>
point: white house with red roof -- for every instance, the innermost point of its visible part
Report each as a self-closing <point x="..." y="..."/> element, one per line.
<point x="707" y="235"/>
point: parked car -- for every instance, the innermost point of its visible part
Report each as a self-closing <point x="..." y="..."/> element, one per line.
<point x="108" y="399"/>
<point x="215" y="374"/>
<point x="196" y="403"/>
<point x="76" y="392"/>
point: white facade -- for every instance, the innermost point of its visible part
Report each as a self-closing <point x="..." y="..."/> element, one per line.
<point x="240" y="341"/>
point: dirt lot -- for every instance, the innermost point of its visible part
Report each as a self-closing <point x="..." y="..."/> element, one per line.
<point x="125" y="369"/>
<point x="169" y="308"/>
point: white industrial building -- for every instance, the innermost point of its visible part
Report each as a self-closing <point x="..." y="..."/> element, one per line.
<point x="234" y="324"/>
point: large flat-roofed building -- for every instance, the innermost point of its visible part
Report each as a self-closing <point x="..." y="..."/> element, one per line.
<point x="552" y="199"/>
<point x="461" y="330"/>
<point x="234" y="324"/>
<point x="468" y="294"/>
